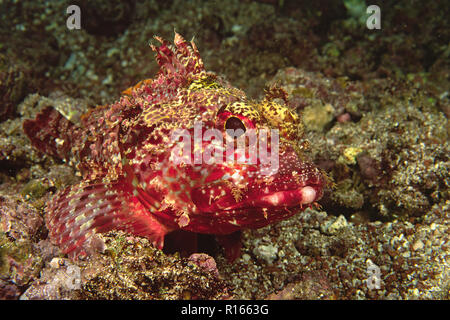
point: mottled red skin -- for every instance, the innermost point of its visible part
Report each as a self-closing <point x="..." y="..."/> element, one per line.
<point x="130" y="182"/>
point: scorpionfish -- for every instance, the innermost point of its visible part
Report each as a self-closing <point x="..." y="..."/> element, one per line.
<point x="130" y="181"/>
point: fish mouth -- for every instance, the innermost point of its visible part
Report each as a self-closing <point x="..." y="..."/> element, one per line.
<point x="257" y="204"/>
<point x="283" y="191"/>
<point x="290" y="198"/>
<point x="296" y="197"/>
<point x="296" y="184"/>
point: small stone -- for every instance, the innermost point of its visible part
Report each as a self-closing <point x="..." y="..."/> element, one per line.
<point x="318" y="117"/>
<point x="350" y="154"/>
<point x="205" y="262"/>
<point x="370" y="168"/>
<point x="18" y="219"/>
<point x="335" y="226"/>
<point x="246" y="257"/>
<point x="345" y="117"/>
<point x="56" y="263"/>
<point x="418" y="245"/>
<point x="266" y="252"/>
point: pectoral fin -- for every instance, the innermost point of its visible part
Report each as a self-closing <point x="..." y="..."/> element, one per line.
<point x="78" y="212"/>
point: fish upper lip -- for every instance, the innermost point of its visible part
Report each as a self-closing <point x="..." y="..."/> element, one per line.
<point x="301" y="195"/>
<point x="281" y="198"/>
<point x="264" y="195"/>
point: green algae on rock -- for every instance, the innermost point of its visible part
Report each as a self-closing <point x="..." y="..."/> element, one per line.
<point x="404" y="138"/>
<point x="133" y="269"/>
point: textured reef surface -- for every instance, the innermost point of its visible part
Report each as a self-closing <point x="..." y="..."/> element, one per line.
<point x="374" y="106"/>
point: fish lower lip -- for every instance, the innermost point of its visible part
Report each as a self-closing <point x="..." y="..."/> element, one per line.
<point x="299" y="196"/>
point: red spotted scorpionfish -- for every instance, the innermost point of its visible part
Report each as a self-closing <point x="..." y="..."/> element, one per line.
<point x="134" y="181"/>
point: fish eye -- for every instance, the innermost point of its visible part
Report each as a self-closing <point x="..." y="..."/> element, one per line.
<point x="235" y="124"/>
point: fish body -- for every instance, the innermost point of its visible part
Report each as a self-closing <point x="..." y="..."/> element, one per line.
<point x="133" y="178"/>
